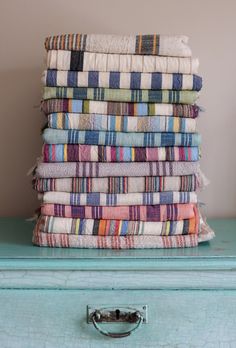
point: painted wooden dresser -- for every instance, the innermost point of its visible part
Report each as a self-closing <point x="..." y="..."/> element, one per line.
<point x="169" y="298"/>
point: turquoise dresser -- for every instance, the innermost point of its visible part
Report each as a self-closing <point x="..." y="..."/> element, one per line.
<point x="169" y="298"/>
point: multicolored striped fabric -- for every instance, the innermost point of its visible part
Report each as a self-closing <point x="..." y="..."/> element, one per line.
<point x="122" y="242"/>
<point x="133" y="212"/>
<point x="121" y="123"/>
<point x="118" y="184"/>
<point x="103" y="199"/>
<point x="117" y="108"/>
<point x="121" y="95"/>
<point x="55" y="136"/>
<point x="51" y="224"/>
<point x="94" y="169"/>
<point x="87" y="61"/>
<point x="132" y="80"/>
<point x="62" y="240"/>
<point x="93" y="153"/>
<point x="151" y="44"/>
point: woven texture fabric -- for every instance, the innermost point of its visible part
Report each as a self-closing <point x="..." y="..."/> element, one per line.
<point x="121" y="95"/>
<point x="51" y="224"/>
<point x="121" y="123"/>
<point x="117" y="108"/>
<point x="60" y="240"/>
<point x="118" y="184"/>
<point x="103" y="199"/>
<point x="151" y="44"/>
<point x="86" y="61"/>
<point x="164" y="212"/>
<point x="132" y="80"/>
<point x="93" y="169"/>
<point x="55" y="136"/>
<point x="122" y="242"/>
<point x="93" y="153"/>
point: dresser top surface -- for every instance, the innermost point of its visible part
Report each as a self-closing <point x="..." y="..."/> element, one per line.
<point x="16" y="236"/>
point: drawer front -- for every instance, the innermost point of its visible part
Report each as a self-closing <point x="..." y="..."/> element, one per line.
<point x="58" y="318"/>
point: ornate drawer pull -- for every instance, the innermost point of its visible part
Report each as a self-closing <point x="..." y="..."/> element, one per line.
<point x="106" y="315"/>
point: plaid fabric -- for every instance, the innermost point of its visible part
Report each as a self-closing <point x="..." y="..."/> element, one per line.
<point x="93" y="153"/>
<point x="103" y="199"/>
<point x="86" y="61"/>
<point x="133" y="212"/>
<point x="114" y="242"/>
<point x="133" y="80"/>
<point x="51" y="224"/>
<point x="118" y="184"/>
<point x="55" y="136"/>
<point x="122" y="95"/>
<point x="121" y="123"/>
<point x="116" y="108"/>
<point x="152" y="44"/>
<point x="94" y="169"/>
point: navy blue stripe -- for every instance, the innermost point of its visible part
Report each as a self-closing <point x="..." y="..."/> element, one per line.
<point x="135" y="81"/>
<point x="93" y="79"/>
<point x="156" y="81"/>
<point x="72" y="78"/>
<point x="114" y="80"/>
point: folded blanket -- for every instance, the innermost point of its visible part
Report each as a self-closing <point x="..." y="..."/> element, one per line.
<point x="122" y="95"/>
<point x="121" y="242"/>
<point x="133" y="80"/>
<point x="162" y="212"/>
<point x="121" y="123"/>
<point x="116" y="108"/>
<point x="95" y="199"/>
<point x="93" y="153"/>
<point x="94" y="169"/>
<point x="51" y="224"/>
<point x="55" y="136"/>
<point x="120" y="184"/>
<point x="86" y="61"/>
<point x="153" y="44"/>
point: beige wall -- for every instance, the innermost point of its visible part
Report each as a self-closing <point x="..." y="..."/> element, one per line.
<point x="211" y="26"/>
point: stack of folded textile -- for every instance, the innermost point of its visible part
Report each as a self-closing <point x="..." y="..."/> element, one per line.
<point x="120" y="158"/>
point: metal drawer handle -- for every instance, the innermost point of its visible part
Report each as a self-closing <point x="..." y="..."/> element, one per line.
<point x="135" y="317"/>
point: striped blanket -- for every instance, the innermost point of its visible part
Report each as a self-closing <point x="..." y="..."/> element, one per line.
<point x="51" y="224"/>
<point x="96" y="169"/>
<point x="121" y="123"/>
<point x="121" y="95"/>
<point x="104" y="199"/>
<point x="121" y="242"/>
<point x="55" y="136"/>
<point x="87" y="61"/>
<point x="133" y="80"/>
<point x="120" y="184"/>
<point x="93" y="153"/>
<point x="152" y="44"/>
<point x="133" y="212"/>
<point x="114" y="108"/>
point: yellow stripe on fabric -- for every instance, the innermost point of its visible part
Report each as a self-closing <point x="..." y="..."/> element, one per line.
<point x="65" y="152"/>
<point x="118" y="123"/>
<point x="167" y="228"/>
<point x="59" y="121"/>
<point x="176" y="124"/>
<point x="77" y="226"/>
<point x="132" y="153"/>
<point x="86" y="106"/>
<point x="154" y="44"/>
<point x="140" y="44"/>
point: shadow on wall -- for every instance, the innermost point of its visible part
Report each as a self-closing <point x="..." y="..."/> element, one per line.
<point x="21" y="121"/>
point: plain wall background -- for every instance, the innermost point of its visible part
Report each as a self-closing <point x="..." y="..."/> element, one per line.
<point x="24" y="24"/>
